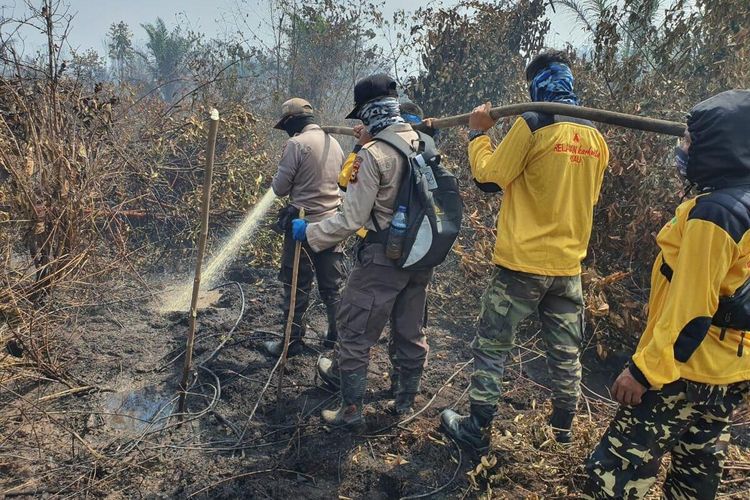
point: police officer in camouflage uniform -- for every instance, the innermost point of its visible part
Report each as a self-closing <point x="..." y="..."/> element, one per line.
<point x="691" y="368"/>
<point x="550" y="169"/>
<point x="307" y="173"/>
<point x="377" y="289"/>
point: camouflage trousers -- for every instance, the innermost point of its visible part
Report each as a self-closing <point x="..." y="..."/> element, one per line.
<point x="688" y="419"/>
<point x="511" y="297"/>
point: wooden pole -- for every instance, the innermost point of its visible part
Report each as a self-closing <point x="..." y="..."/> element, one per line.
<point x="290" y="316"/>
<point x="213" y="129"/>
<point x="597" y="115"/>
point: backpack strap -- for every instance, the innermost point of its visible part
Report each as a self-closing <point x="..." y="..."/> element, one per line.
<point x="426" y="143"/>
<point x="404" y="148"/>
<point x="396" y="142"/>
<point x="388" y="136"/>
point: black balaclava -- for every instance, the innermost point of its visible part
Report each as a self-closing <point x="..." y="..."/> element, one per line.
<point x="294" y="124"/>
<point x="719" y="155"/>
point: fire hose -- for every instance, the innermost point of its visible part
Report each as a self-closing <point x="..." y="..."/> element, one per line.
<point x="596" y="115"/>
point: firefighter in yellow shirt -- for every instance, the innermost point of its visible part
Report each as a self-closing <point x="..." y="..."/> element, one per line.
<point x="550" y="169"/>
<point x="691" y="368"/>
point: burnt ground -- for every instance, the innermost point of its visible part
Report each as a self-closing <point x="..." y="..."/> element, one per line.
<point x="117" y="440"/>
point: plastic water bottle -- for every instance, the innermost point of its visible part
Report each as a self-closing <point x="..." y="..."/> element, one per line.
<point x="396" y="235"/>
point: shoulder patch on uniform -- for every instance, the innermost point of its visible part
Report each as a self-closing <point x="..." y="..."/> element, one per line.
<point x="536" y="120"/>
<point x="355" y="169"/>
<point x="725" y="211"/>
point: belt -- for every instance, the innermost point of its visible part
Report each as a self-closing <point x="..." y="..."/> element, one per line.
<point x="376" y="237"/>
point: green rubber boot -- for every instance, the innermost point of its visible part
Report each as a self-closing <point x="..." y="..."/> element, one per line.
<point x="349" y="413"/>
<point x="473" y="431"/>
<point x="407" y="388"/>
<point x="561" y="422"/>
<point x="328" y="371"/>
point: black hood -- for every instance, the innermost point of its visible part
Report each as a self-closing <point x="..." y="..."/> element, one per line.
<point x="719" y="154"/>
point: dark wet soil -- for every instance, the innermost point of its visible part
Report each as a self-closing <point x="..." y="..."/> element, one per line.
<point x="133" y="354"/>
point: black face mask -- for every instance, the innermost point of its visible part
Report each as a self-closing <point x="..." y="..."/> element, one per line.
<point x="295" y="124"/>
<point x="681" y="161"/>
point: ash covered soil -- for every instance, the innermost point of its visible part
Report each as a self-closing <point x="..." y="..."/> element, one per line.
<point x="119" y="441"/>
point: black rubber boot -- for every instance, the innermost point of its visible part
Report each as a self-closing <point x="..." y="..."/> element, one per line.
<point x="472" y="432"/>
<point x="394" y="383"/>
<point x="328" y="371"/>
<point x="406" y="390"/>
<point x="561" y="422"/>
<point x="349" y="413"/>
<point x="275" y="347"/>
<point x="333" y="334"/>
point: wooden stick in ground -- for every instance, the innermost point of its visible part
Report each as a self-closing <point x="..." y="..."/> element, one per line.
<point x="290" y="317"/>
<point x="207" y="179"/>
<point x="596" y="115"/>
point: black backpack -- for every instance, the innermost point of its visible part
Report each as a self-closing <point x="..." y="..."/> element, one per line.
<point x="434" y="205"/>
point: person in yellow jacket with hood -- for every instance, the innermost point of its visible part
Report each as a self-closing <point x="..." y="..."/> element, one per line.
<point x="692" y="365"/>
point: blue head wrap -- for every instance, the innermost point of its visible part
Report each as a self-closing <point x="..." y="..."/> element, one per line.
<point x="411" y="118"/>
<point x="554" y="84"/>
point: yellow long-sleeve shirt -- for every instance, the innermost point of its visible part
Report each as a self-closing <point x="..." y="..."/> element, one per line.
<point x="551" y="171"/>
<point x="705" y="254"/>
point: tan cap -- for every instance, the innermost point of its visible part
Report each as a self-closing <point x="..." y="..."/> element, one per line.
<point x="294" y="107"/>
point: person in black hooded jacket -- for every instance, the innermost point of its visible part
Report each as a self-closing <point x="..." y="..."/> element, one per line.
<point x="692" y="365"/>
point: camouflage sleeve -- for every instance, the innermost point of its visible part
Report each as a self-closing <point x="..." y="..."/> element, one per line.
<point x="506" y="162"/>
<point x="283" y="180"/>
<point x="362" y="191"/>
<point x="705" y="256"/>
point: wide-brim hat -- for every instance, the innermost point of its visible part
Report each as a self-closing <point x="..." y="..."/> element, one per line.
<point x="370" y="88"/>
<point x="294" y="107"/>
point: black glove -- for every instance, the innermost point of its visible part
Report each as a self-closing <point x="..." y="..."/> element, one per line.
<point x="284" y="219"/>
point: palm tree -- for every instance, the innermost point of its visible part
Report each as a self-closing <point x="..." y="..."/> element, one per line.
<point x="587" y="12"/>
<point x="636" y="27"/>
<point x="168" y="50"/>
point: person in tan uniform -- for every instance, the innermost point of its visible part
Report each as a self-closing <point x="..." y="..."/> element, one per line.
<point x="413" y="115"/>
<point x="377" y="290"/>
<point x="307" y="174"/>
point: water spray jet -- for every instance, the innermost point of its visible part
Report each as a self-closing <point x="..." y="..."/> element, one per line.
<point x="227" y="251"/>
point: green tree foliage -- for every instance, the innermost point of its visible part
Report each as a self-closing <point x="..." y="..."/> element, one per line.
<point x="120" y="48"/>
<point x="168" y="51"/>
<point x="474" y="52"/>
<point x="88" y="66"/>
<point x="323" y="32"/>
<point x="320" y="48"/>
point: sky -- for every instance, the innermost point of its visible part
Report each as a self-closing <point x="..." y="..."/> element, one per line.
<point x="212" y="17"/>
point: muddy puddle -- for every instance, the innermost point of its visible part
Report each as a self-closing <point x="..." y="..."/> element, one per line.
<point x="140" y="410"/>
